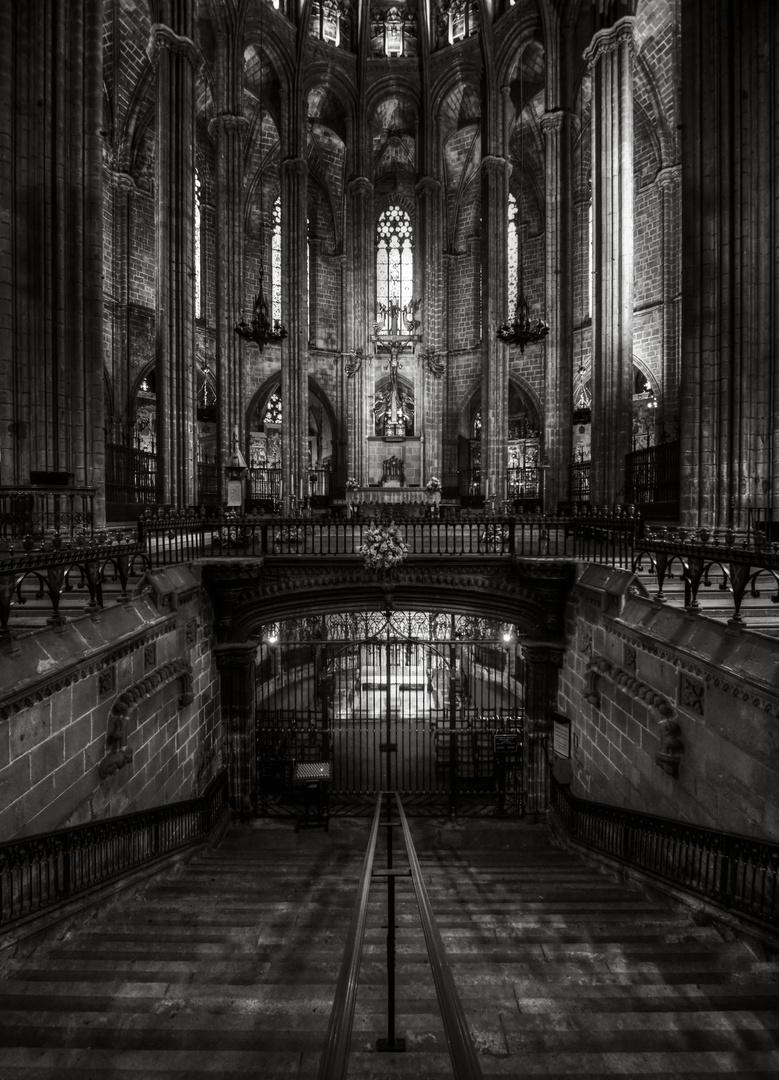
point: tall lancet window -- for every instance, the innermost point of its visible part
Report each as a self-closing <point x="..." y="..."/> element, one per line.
<point x="512" y="254"/>
<point x="275" y="262"/>
<point x="394" y="260"/>
<point x="198" y="249"/>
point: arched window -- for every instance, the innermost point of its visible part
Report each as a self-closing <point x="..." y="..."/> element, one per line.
<point x="326" y="21"/>
<point x="394" y="262"/>
<point x="463" y="20"/>
<point x="198" y="249"/>
<point x="275" y="260"/>
<point x="512" y="254"/>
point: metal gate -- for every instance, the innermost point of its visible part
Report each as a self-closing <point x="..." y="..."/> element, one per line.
<point x="439" y="719"/>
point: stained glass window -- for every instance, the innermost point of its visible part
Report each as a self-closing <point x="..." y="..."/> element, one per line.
<point x="512" y="255"/>
<point x="394" y="260"/>
<point x="198" y="251"/>
<point x="276" y="262"/>
<point x="273" y="410"/>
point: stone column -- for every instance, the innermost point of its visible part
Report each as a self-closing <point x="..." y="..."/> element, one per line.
<point x="430" y="244"/>
<point x="360" y="311"/>
<point x="228" y="130"/>
<point x="235" y="662"/>
<point x="174" y="55"/>
<point x="294" y="349"/>
<point x="610" y="58"/>
<point x="668" y="182"/>
<point x="51" y="230"/>
<point x="558" y="389"/>
<point x="123" y="189"/>
<point x="542" y="663"/>
<point x="495" y="355"/>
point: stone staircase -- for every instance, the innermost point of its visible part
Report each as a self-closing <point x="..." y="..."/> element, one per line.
<point x="226" y="968"/>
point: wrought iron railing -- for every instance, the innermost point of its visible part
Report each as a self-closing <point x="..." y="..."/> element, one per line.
<point x="39" y="873"/>
<point x="580" y="481"/>
<point x="652" y="474"/>
<point x="30" y="511"/>
<point x="265" y="486"/>
<point x="739" y="873"/>
<point x="130" y="475"/>
<point x="207" y="483"/>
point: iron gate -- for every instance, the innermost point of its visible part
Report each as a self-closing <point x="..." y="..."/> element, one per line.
<point x="439" y="720"/>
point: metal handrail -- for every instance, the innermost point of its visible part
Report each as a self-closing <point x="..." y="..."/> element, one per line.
<point x="465" y="1063"/>
<point x="335" y="1058"/>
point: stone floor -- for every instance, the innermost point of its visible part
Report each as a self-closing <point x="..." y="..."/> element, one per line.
<point x="226" y="968"/>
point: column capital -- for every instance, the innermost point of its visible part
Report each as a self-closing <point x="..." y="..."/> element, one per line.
<point x="428" y="185"/>
<point x="491" y="164"/>
<point x="163" y="37"/>
<point x="228" y="122"/>
<point x="553" y="120"/>
<point x="235" y="654"/>
<point x="360" y="187"/>
<point x="668" y="176"/>
<point x="295" y="165"/>
<point x="122" y="181"/>
<point x="610" y="39"/>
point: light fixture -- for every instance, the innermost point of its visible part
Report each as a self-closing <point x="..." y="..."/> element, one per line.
<point x="651" y="401"/>
<point x="262" y="330"/>
<point x="524" y="329"/>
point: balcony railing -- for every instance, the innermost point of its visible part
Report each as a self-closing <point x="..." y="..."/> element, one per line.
<point x="33" y="510"/>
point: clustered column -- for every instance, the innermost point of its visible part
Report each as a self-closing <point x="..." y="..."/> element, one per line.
<point x="359" y="308"/>
<point x="237" y="693"/>
<point x="174" y="55"/>
<point x="610" y="57"/>
<point x="294" y="350"/>
<point x="542" y="663"/>
<point x="430" y="246"/>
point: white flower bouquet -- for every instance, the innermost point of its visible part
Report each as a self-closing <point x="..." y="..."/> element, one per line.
<point x="352" y="484"/>
<point x="433" y="484"/>
<point x="383" y="547"/>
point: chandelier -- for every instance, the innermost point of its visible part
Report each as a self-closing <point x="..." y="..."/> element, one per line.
<point x="262" y="330"/>
<point x="523" y="329"/>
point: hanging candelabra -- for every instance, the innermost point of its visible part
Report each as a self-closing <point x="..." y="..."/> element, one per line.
<point x="524" y="329"/>
<point x="262" y="330"/>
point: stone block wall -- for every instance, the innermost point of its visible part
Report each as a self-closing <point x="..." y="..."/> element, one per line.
<point x="112" y="714"/>
<point x="664" y="720"/>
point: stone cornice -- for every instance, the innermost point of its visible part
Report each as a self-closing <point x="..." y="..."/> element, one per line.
<point x="762" y="697"/>
<point x="610" y="39"/>
<point x="68" y="674"/>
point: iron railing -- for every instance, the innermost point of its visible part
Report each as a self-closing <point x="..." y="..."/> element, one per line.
<point x="265" y="486"/>
<point x="207" y="483"/>
<point x="580" y="481"/>
<point x="130" y="475"/>
<point x="652" y="474"/>
<point x="739" y="873"/>
<point x="39" y="873"/>
<point x="334" y="1062"/>
<point x="28" y="512"/>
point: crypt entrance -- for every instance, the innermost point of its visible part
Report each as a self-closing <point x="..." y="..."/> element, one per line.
<point x="431" y="705"/>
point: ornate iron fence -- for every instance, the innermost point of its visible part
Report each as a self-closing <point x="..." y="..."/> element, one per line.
<point x="652" y="474"/>
<point x="737" y="872"/>
<point x="39" y="873"/>
<point x="130" y="475"/>
<point x="28" y="511"/>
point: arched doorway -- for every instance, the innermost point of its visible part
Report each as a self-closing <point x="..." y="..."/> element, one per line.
<point x="524" y="450"/>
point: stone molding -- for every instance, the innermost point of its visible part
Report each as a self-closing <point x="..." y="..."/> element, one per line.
<point x="122" y="182"/>
<point x="163" y="37"/>
<point x="360" y="187"/>
<point x="609" y="40"/>
<point x="552" y="121"/>
<point x="493" y="165"/>
<point x="118" y="752"/>
<point x="428" y="187"/>
<point x="73" y="673"/>
<point x="668" y="176"/>
<point x="711" y="675"/>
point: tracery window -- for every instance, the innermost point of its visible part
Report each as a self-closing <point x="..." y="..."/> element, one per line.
<point x="198" y="249"/>
<point x="512" y="253"/>
<point x="326" y="21"/>
<point x="394" y="260"/>
<point x="462" y="20"/>
<point x="275" y="270"/>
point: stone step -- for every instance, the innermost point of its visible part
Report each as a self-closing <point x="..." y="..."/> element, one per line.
<point x="227" y="967"/>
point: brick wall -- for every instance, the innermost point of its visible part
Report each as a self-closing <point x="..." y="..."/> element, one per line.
<point x="632" y="671"/>
<point x="64" y="692"/>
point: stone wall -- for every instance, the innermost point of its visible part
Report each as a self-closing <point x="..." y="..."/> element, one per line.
<point x="111" y="714"/>
<point x="665" y="718"/>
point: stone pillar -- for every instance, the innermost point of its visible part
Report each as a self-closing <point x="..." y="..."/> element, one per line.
<point x="668" y="182"/>
<point x="51" y="231"/>
<point x="174" y="55"/>
<point x="729" y="396"/>
<point x="360" y="312"/>
<point x="610" y="58"/>
<point x="542" y="662"/>
<point x="494" y="354"/>
<point x="430" y="242"/>
<point x="228" y="130"/>
<point x="294" y="349"/>
<point x="235" y="662"/>
<point x="123" y="189"/>
<point x="558" y="388"/>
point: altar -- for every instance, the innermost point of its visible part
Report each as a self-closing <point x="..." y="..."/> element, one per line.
<point x="375" y="496"/>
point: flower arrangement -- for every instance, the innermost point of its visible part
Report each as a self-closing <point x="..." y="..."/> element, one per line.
<point x="352" y="484"/>
<point x="433" y="484"/>
<point x="383" y="547"/>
